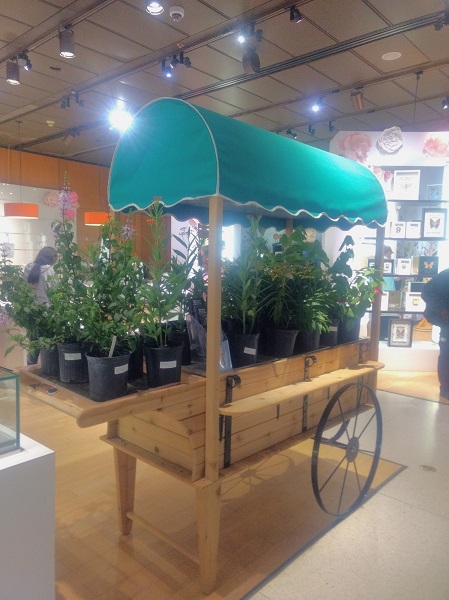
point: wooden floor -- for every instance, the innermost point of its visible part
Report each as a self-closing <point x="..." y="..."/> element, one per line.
<point x="268" y="514"/>
<point x="417" y="384"/>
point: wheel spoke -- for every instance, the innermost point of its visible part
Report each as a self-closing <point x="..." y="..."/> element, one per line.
<point x="364" y="429"/>
<point x="344" y="423"/>
<point x="332" y="442"/>
<point x="331" y="475"/>
<point x="357" y="406"/>
<point x="342" y="488"/>
<point x="357" y="477"/>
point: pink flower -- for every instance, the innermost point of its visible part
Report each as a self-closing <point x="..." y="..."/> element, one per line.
<point x="355" y="146"/>
<point x="436" y="147"/>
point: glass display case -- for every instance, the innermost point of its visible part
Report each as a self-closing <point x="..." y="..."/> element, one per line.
<point x="9" y="411"/>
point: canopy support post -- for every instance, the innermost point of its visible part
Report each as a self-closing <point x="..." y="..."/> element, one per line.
<point x="213" y="338"/>
<point x="375" y="315"/>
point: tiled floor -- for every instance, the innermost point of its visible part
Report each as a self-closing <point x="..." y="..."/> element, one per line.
<point x="396" y="546"/>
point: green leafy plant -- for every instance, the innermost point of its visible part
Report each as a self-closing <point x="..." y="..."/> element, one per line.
<point x="243" y="292"/>
<point x="27" y="323"/>
<point x="162" y="294"/>
<point x="111" y="307"/>
<point x="295" y="284"/>
<point x="352" y="291"/>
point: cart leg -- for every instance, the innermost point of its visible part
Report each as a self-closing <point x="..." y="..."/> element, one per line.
<point x="208" y="515"/>
<point x="125" y="481"/>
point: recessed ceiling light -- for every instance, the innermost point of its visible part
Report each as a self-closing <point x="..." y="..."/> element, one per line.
<point x="391" y="56"/>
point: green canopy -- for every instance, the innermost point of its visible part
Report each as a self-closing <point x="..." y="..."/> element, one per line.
<point x="180" y="152"/>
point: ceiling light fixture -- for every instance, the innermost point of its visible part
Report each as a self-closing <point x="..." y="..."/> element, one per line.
<point x="391" y="56"/>
<point x="311" y="129"/>
<point x="166" y="69"/>
<point x="292" y="133"/>
<point x="317" y="106"/>
<point x="176" y="13"/>
<point x="24" y="61"/>
<point x="120" y="119"/>
<point x="154" y="8"/>
<point x="67" y="43"/>
<point x="295" y="15"/>
<point x="251" y="61"/>
<point x="331" y="127"/>
<point x="446" y="103"/>
<point x="357" y="99"/>
<point x="12" y="72"/>
<point x="96" y="218"/>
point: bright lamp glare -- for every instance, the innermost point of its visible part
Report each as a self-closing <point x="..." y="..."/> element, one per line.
<point x="316" y="107"/>
<point x="120" y="119"/>
<point x="241" y="39"/>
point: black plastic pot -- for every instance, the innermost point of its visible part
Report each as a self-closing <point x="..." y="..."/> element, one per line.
<point x="244" y="349"/>
<point x="163" y="365"/>
<point x="72" y="363"/>
<point x="135" y="369"/>
<point x="330" y="338"/>
<point x="181" y="337"/>
<point x="349" y="330"/>
<point x="49" y="362"/>
<point x="307" y="341"/>
<point x="281" y="342"/>
<point x="108" y="376"/>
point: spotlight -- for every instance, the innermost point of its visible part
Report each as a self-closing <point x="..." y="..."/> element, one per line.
<point x="317" y="106"/>
<point x="155" y="8"/>
<point x="295" y="15"/>
<point x="311" y="130"/>
<point x="251" y="61"/>
<point x="174" y="61"/>
<point x="24" y="61"/>
<point x="63" y="104"/>
<point x="331" y="126"/>
<point x="446" y="103"/>
<point x="241" y="38"/>
<point x="120" y="119"/>
<point x="357" y="100"/>
<point x="67" y="43"/>
<point x="166" y="70"/>
<point x="12" y="72"/>
<point x="185" y="60"/>
<point x="292" y="133"/>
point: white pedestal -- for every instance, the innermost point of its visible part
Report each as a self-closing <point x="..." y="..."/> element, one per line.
<point x="27" y="516"/>
<point x="422" y="356"/>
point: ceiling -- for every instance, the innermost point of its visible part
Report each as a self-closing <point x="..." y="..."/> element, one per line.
<point x="336" y="49"/>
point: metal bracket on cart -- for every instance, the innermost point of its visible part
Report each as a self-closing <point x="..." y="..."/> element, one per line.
<point x="309" y="361"/>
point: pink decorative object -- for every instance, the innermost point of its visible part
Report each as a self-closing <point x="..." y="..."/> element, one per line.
<point x="435" y="146"/>
<point x="65" y="200"/>
<point x="355" y="146"/>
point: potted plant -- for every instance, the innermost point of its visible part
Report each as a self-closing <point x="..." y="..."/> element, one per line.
<point x="295" y="299"/>
<point x="352" y="292"/>
<point x="27" y="323"/>
<point x="110" y="308"/>
<point x="160" y="299"/>
<point x="243" y="296"/>
<point x="68" y="291"/>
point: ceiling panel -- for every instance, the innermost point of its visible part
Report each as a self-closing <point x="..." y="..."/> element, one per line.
<point x="119" y="49"/>
<point x="397" y="12"/>
<point x="358" y="18"/>
<point x="373" y="53"/>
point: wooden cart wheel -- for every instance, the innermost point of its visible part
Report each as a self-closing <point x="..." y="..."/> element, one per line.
<point x="346" y="449"/>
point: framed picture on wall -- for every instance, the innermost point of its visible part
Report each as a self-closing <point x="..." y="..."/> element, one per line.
<point x="413" y="229"/>
<point x="397" y="229"/>
<point x="406" y="185"/>
<point x="434" y="223"/>
<point x="403" y="266"/>
<point x="428" y="266"/>
<point x="434" y="192"/>
<point x="400" y="333"/>
<point x="388" y="267"/>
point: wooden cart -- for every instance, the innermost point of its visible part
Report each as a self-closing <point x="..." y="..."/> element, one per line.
<point x="260" y="406"/>
<point x="200" y="429"/>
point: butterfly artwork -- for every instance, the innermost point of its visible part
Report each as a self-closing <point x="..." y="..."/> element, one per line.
<point x="428" y="265"/>
<point x="434" y="224"/>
